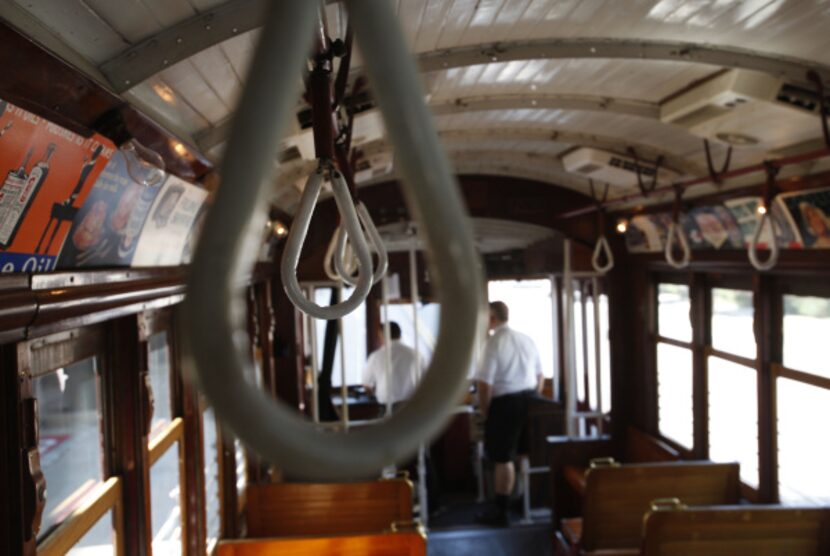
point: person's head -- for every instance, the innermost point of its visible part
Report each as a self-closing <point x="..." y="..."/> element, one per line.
<point x="499" y="314"/>
<point x="394" y="331"/>
<point x="815" y="219"/>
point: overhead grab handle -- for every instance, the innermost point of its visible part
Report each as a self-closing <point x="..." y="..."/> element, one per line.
<point x="214" y="329"/>
<point x="341" y="256"/>
<point x="765" y="208"/>
<point x="296" y="238"/>
<point x="602" y="247"/>
<point x="773" y="245"/>
<point x="676" y="233"/>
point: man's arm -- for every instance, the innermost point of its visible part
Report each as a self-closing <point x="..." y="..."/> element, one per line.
<point x="485" y="392"/>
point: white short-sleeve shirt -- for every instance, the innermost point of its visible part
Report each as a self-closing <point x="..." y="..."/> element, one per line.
<point x="405" y="375"/>
<point x="510" y="362"/>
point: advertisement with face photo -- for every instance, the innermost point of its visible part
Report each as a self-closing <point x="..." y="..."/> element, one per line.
<point x="745" y="212"/>
<point x="105" y="232"/>
<point x="646" y="234"/>
<point x="809" y="213"/>
<point x="165" y="232"/>
<point x="713" y="227"/>
<point x="47" y="172"/>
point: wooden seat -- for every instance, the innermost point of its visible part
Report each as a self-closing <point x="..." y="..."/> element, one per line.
<point x="753" y="530"/>
<point x="385" y="544"/>
<point x="617" y="498"/>
<point x="313" y="509"/>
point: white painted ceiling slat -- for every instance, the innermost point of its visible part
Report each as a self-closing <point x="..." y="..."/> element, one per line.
<point x="410" y="15"/>
<point x="455" y="23"/>
<point x="217" y="71"/>
<point x="479" y="26"/>
<point x="80" y="27"/>
<point x="170" y="12"/>
<point x="160" y="99"/>
<point x="429" y="29"/>
<point x="191" y="87"/>
<point x="132" y="19"/>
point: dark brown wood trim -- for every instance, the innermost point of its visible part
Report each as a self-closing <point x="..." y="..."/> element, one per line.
<point x="737" y="359"/>
<point x="44" y="355"/>
<point x="672" y="342"/>
<point x="768" y="336"/>
<point x="701" y="333"/>
<point x="801" y="376"/>
<point x="11" y="454"/>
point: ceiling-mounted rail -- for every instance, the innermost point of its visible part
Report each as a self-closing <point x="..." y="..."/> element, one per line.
<point x="738" y="172"/>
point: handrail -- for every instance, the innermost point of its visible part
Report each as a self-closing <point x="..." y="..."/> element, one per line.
<point x="752" y="251"/>
<point x="376" y="241"/>
<point x="676" y="230"/>
<point x="213" y="313"/>
<point x="296" y="238"/>
<point x="602" y="245"/>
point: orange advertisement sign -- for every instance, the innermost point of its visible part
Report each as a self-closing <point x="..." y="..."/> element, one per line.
<point x="46" y="172"/>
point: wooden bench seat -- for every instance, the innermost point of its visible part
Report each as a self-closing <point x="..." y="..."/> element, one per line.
<point x="617" y="498"/>
<point x="738" y="530"/>
<point x="385" y="544"/>
<point x="314" y="509"/>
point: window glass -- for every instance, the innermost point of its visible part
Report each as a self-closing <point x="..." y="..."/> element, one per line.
<point x="241" y="460"/>
<point x="673" y="320"/>
<point x="803" y="450"/>
<point x="674" y="394"/>
<point x="98" y="541"/>
<point x="806" y="333"/>
<point x="165" y="504"/>
<point x="733" y="416"/>
<point x="531" y="312"/>
<point x="159" y="373"/>
<point x="605" y="353"/>
<point x="592" y="354"/>
<point x="211" y="459"/>
<point x="429" y="316"/>
<point x="70" y="438"/>
<point x="578" y="346"/>
<point x="732" y="317"/>
<point x="354" y="332"/>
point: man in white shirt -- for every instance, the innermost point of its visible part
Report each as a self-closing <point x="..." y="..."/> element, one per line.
<point x="400" y="382"/>
<point x="510" y="375"/>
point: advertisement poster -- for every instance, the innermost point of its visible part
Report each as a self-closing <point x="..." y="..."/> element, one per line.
<point x="646" y="234"/>
<point x="745" y="212"/>
<point x="194" y="233"/>
<point x="713" y="227"/>
<point x="165" y="233"/>
<point x="106" y="229"/>
<point x="809" y="214"/>
<point x="47" y="172"/>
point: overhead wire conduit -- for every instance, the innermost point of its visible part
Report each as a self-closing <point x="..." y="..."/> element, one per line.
<point x="216" y="342"/>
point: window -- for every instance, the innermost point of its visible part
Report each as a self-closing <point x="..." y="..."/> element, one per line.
<point x="165" y="496"/>
<point x="803" y="401"/>
<point x="429" y="317"/>
<point x="354" y="332"/>
<point x="674" y="394"/>
<point x="98" y="541"/>
<point x="605" y="353"/>
<point x="210" y="454"/>
<point x="733" y="416"/>
<point x="732" y="317"/>
<point x="159" y="374"/>
<point x="806" y="331"/>
<point x="70" y="438"/>
<point x="675" y="413"/>
<point x="803" y="450"/>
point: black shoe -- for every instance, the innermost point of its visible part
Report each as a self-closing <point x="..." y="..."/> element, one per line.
<point x="493" y="517"/>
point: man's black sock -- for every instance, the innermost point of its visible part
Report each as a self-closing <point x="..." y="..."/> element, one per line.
<point x="503" y="503"/>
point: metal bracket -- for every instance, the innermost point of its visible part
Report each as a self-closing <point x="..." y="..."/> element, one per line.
<point x="815" y="78"/>
<point x="716" y="176"/>
<point x="645" y="189"/>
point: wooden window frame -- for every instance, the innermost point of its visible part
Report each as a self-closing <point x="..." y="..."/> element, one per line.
<point x="172" y="435"/>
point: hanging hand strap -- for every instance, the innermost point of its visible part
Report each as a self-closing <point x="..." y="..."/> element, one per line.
<point x="716" y="176"/>
<point x="216" y="343"/>
<point x="341" y="256"/>
<point x="677" y="234"/>
<point x="766" y="218"/>
<point x="296" y="238"/>
<point x="602" y="247"/>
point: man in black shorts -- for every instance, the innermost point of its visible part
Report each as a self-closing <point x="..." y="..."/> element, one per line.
<point x="510" y="375"/>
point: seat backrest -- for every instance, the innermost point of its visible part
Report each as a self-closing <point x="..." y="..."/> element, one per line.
<point x="641" y="447"/>
<point x="617" y="498"/>
<point x="385" y="544"/>
<point x="722" y="531"/>
<point x="313" y="509"/>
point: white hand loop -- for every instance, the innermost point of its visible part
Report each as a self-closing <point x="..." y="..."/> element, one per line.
<point x="676" y="231"/>
<point x="600" y="248"/>
<point x="773" y="247"/>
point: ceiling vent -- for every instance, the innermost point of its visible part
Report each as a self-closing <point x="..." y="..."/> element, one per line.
<point x="374" y="166"/>
<point x="757" y="108"/>
<point x="607" y="167"/>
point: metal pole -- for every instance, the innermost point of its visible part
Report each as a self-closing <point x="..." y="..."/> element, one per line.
<point x="387" y="343"/>
<point x="415" y="297"/>
<point x="570" y="370"/>
<point x="344" y="388"/>
<point x="557" y="371"/>
<point x="526" y="490"/>
<point x="312" y="334"/>
<point x="597" y="350"/>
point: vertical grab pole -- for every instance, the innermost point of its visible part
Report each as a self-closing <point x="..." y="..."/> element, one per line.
<point x="344" y="388"/>
<point x="387" y="343"/>
<point x="570" y="371"/>
<point x="526" y="491"/>
<point x="557" y="349"/>
<point x="597" y="351"/>
<point x="312" y="334"/>
<point x="413" y="293"/>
